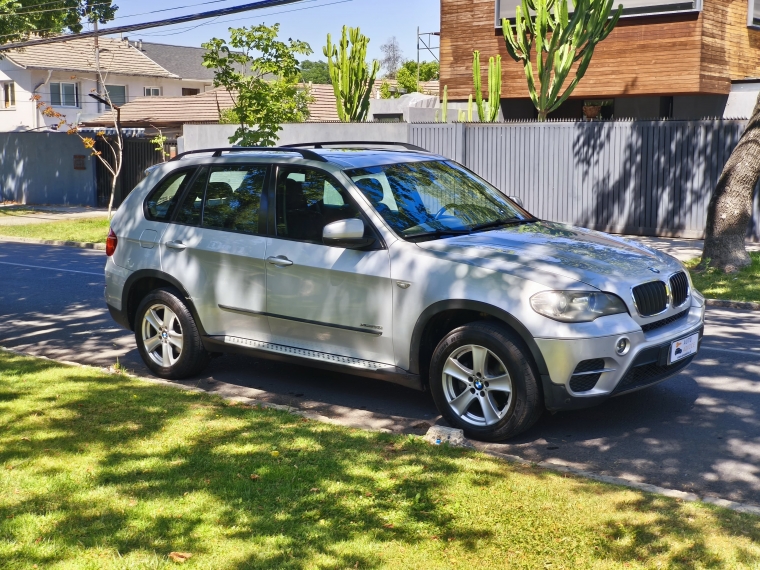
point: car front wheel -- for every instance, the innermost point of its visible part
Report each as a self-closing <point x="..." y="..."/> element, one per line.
<point x="167" y="336"/>
<point x="483" y="382"/>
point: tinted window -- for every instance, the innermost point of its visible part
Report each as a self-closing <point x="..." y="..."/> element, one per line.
<point x="189" y="211"/>
<point x="233" y="198"/>
<point x="308" y="200"/>
<point x="162" y="201"/>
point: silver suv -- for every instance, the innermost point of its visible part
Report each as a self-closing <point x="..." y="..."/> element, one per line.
<point x="398" y="265"/>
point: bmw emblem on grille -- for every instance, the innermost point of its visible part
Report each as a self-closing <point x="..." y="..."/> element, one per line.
<point x="654" y="270"/>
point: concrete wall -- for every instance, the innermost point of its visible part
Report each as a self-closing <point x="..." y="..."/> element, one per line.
<point x="215" y="136"/>
<point x="38" y="168"/>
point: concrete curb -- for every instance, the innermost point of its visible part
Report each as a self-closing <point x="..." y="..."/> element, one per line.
<point x="744" y="305"/>
<point x="482" y="447"/>
<point x="79" y="244"/>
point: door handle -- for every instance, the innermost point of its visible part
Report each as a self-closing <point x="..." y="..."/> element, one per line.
<point x="280" y="261"/>
<point x="175" y="245"/>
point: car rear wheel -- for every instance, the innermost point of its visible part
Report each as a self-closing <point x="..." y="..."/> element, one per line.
<point x="483" y="381"/>
<point x="167" y="337"/>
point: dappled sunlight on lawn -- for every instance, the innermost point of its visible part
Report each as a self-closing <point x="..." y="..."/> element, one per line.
<point x="104" y="471"/>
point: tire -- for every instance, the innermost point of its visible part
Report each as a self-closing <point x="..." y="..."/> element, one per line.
<point x="167" y="337"/>
<point x="483" y="381"/>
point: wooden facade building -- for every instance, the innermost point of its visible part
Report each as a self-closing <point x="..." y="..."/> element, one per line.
<point x="665" y="57"/>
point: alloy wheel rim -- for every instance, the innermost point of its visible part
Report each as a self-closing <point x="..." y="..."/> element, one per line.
<point x="477" y="385"/>
<point x="162" y="335"/>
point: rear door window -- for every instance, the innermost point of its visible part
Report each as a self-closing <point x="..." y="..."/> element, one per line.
<point x="162" y="201"/>
<point x="189" y="211"/>
<point x="233" y="198"/>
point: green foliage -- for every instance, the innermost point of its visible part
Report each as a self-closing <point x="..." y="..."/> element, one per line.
<point x="228" y="117"/>
<point x="351" y="77"/>
<point x="488" y="111"/>
<point x="385" y="91"/>
<point x="315" y="72"/>
<point x="22" y="18"/>
<point x="407" y="75"/>
<point x="245" y="67"/>
<point x="558" y="40"/>
<point x="158" y="142"/>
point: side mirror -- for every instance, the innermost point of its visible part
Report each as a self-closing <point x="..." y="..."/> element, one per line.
<point x="516" y="200"/>
<point x="346" y="233"/>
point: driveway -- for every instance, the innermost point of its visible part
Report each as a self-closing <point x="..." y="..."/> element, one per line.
<point x="698" y="432"/>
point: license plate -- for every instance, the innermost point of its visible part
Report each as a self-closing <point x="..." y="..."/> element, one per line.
<point x="684" y="347"/>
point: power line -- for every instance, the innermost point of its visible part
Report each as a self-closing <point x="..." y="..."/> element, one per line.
<point x="62" y="9"/>
<point x="216" y="20"/>
<point x="159" y="23"/>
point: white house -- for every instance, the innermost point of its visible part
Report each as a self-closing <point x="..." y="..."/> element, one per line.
<point x="64" y="74"/>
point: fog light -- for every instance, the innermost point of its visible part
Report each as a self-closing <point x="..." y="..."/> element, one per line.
<point x="622" y="346"/>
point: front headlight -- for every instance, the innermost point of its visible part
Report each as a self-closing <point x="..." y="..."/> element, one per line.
<point x="576" y="306"/>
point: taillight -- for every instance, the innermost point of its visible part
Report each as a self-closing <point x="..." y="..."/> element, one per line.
<point x="111" y="243"/>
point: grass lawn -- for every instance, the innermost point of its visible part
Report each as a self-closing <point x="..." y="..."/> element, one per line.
<point x="15" y="211"/>
<point x="743" y="285"/>
<point x="101" y="471"/>
<point x="83" y="229"/>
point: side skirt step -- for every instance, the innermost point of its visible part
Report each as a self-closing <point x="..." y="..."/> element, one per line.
<point x="345" y="364"/>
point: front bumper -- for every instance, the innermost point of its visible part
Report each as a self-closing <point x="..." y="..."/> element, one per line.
<point x="645" y="363"/>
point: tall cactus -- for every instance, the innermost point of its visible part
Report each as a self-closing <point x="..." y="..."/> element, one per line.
<point x="351" y="77"/>
<point x="560" y="40"/>
<point x="488" y="111"/>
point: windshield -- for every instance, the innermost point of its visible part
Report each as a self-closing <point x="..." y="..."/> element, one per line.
<point x="434" y="198"/>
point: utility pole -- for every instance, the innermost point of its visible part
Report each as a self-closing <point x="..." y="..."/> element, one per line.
<point x="418" y="58"/>
<point x="97" y="63"/>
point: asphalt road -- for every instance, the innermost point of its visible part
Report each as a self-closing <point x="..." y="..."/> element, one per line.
<point x="698" y="432"/>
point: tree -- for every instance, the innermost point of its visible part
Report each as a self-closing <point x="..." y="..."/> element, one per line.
<point x="264" y="87"/>
<point x="561" y="40"/>
<point x="315" y="72"/>
<point x="20" y="19"/>
<point x="392" y="58"/>
<point x="407" y="74"/>
<point x="730" y="208"/>
<point x="351" y="77"/>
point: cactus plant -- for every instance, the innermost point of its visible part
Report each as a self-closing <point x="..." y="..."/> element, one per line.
<point x="560" y="41"/>
<point x="351" y="77"/>
<point x="488" y="111"/>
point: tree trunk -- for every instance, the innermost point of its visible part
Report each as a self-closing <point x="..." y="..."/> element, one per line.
<point x="730" y="208"/>
<point x="114" y="179"/>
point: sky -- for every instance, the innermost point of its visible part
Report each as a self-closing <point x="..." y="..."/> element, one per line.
<point x="308" y="20"/>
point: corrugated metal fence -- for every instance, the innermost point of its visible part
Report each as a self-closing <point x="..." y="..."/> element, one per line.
<point x="639" y="177"/>
<point x="139" y="154"/>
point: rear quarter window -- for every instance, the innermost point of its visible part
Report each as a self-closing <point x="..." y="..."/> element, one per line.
<point x="162" y="201"/>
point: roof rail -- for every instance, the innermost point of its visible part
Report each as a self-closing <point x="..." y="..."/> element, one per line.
<point x="407" y="146"/>
<point x="217" y="152"/>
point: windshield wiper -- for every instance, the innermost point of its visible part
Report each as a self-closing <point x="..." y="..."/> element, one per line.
<point x="499" y="223"/>
<point x="437" y="234"/>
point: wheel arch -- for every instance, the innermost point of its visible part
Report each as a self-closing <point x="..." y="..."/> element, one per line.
<point x="450" y="314"/>
<point x="142" y="282"/>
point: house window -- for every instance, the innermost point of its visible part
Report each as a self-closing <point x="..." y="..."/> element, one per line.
<point x="117" y="94"/>
<point x="9" y="95"/>
<point x="753" y="18"/>
<point x="506" y="8"/>
<point x="64" y="94"/>
<point x="188" y="91"/>
<point x="153" y="92"/>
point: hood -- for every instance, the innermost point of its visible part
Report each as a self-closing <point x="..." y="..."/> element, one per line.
<point x="606" y="262"/>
